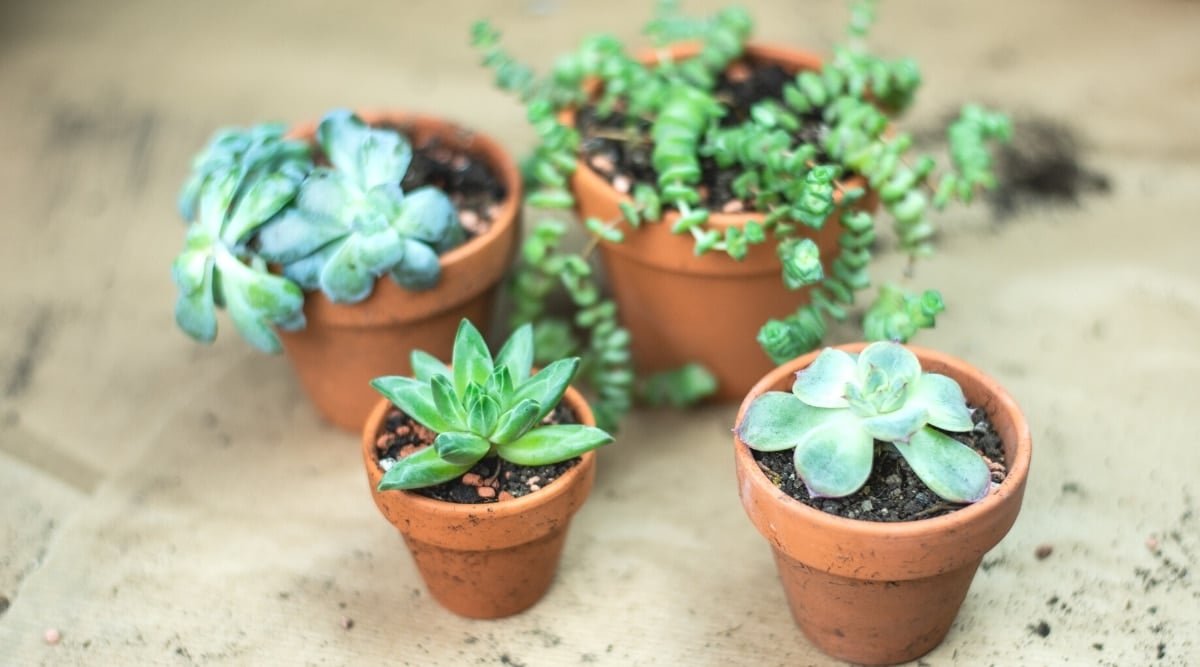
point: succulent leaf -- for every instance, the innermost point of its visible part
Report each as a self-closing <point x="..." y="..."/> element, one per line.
<point x="516" y="422"/>
<point x="949" y="468"/>
<point x="428" y="215"/>
<point x="471" y="360"/>
<point x="425" y="366"/>
<point x="517" y="353"/>
<point x="461" y="448"/>
<point x="892" y="359"/>
<point x="898" y="425"/>
<point x="943" y="399"/>
<point x="554" y="443"/>
<point x="548" y="385"/>
<point x="823" y="383"/>
<point x="415" y="399"/>
<point x="776" y="421"/>
<point x="420" y="269"/>
<point x="834" y="457"/>
<point x="447" y="403"/>
<point x="425" y="468"/>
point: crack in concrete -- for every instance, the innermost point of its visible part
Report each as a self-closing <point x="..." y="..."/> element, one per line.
<point x="23" y="445"/>
<point x="31" y="352"/>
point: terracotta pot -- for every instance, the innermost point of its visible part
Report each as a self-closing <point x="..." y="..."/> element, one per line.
<point x="489" y="560"/>
<point x="344" y="346"/>
<point x="883" y="593"/>
<point x="681" y="308"/>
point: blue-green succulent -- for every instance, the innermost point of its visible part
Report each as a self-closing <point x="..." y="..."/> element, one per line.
<point x="842" y="403"/>
<point x="352" y="223"/>
<point x="239" y="182"/>
<point x="254" y="198"/>
<point x="480" y="407"/>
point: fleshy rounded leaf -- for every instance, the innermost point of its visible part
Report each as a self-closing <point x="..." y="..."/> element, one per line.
<point x="898" y="425"/>
<point x="949" y="468"/>
<point x="944" y="400"/>
<point x="834" y="459"/>
<point x="345" y="277"/>
<point x="419" y="270"/>
<point x="294" y="235"/>
<point x="550" y="444"/>
<point x="428" y="215"/>
<point x="892" y="359"/>
<point x="823" y="383"/>
<point x="777" y="420"/>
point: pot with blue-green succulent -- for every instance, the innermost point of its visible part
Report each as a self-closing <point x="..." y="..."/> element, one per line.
<point x="880" y="474"/>
<point x="480" y="465"/>
<point x="309" y="240"/>
<point x="758" y="212"/>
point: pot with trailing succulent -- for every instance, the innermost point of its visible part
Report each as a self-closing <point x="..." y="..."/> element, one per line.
<point x="880" y="480"/>
<point x="708" y="169"/>
<point x="481" y="465"/>
<point x="323" y="242"/>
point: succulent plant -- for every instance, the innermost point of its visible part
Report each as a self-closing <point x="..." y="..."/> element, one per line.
<point x="795" y="180"/>
<point x="480" y="406"/>
<point x="840" y="405"/>
<point x="351" y="222"/>
<point x="238" y="183"/>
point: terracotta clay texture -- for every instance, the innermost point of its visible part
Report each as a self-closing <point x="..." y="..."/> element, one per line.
<point x="681" y="308"/>
<point x="344" y="346"/>
<point x="490" y="560"/>
<point x="884" y="593"/>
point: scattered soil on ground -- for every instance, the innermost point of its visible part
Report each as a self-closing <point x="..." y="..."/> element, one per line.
<point x="489" y="481"/>
<point x="893" y="492"/>
<point x="1042" y="167"/>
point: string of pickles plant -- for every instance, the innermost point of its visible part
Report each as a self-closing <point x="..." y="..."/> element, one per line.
<point x="794" y="183"/>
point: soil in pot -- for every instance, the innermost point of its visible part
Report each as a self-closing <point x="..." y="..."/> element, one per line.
<point x="893" y="492"/>
<point x="619" y="147"/>
<point x="489" y="481"/>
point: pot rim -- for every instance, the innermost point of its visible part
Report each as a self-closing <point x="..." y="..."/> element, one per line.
<point x="995" y="502"/>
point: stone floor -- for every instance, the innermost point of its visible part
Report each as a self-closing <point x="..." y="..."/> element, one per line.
<point x="170" y="503"/>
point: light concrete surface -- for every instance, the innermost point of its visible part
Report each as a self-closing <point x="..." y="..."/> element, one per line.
<point x="165" y="503"/>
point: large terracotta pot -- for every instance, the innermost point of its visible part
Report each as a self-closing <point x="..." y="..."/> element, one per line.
<point x="681" y="308"/>
<point x="344" y="346"/>
<point x="884" y="593"/>
<point x="489" y="560"/>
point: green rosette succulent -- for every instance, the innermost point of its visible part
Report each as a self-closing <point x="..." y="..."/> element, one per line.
<point x="351" y="222"/>
<point x="238" y="183"/>
<point x="482" y="407"/>
<point x="841" y="404"/>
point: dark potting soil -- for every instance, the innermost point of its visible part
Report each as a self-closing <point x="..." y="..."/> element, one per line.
<point x="893" y="492"/>
<point x="618" y="147"/>
<point x="504" y="478"/>
<point x="474" y="189"/>
<point x="1042" y="166"/>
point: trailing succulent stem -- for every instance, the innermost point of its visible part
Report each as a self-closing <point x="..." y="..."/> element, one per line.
<point x="480" y="407"/>
<point x="842" y="404"/>
<point x="795" y="182"/>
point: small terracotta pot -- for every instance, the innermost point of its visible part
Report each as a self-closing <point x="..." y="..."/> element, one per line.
<point x="344" y="346"/>
<point x="681" y="308"/>
<point x="884" y="593"/>
<point x="490" y="560"/>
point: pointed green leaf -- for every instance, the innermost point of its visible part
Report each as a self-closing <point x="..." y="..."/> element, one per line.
<point x="949" y="468"/>
<point x="425" y="468"/>
<point x="834" y="459"/>
<point x="550" y="444"/>
<point x="483" y="414"/>
<point x="823" y="383"/>
<point x="414" y="398"/>
<point x="517" y="354"/>
<point x="447" y="403"/>
<point x="548" y="385"/>
<point x="471" y="360"/>
<point x="425" y="366"/>
<point x="461" y="448"/>
<point x="516" y="422"/>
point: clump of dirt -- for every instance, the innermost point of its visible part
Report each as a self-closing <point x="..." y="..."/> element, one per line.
<point x="1042" y="167"/>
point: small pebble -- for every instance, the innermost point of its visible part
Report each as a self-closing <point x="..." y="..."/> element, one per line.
<point x="535" y="487"/>
<point x="505" y="495"/>
<point x="347" y="622"/>
<point x="1043" y="552"/>
<point x="622" y="183"/>
<point x="602" y="163"/>
<point x="408" y="450"/>
<point x="52" y="636"/>
<point x="486" y="492"/>
<point x="472" y="479"/>
<point x="733" y="206"/>
<point x="384" y="441"/>
<point x="1152" y="543"/>
<point x="535" y="479"/>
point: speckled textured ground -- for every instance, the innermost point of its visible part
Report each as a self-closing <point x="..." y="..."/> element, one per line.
<point x="168" y="503"/>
